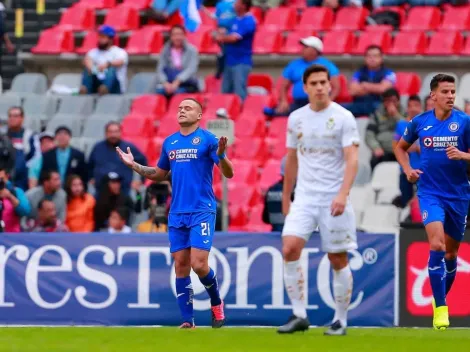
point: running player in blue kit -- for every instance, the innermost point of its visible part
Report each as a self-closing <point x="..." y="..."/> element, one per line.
<point x="443" y="186"/>
<point x="190" y="155"/>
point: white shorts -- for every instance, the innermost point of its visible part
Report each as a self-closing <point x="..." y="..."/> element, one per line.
<point x="338" y="233"/>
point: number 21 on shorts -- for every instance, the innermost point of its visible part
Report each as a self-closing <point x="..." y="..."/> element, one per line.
<point x="205" y="229"/>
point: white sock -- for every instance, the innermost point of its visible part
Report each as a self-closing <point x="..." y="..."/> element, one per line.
<point x="342" y="288"/>
<point x="295" y="285"/>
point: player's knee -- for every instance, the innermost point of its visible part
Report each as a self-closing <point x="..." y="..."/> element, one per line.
<point x="338" y="260"/>
<point x="437" y="244"/>
<point x="291" y="252"/>
<point x="451" y="255"/>
<point x="182" y="268"/>
<point x="200" y="266"/>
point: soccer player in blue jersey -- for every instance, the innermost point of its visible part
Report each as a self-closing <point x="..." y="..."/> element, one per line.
<point x="443" y="186"/>
<point x="190" y="155"/>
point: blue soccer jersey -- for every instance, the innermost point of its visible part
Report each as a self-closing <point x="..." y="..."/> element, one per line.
<point x="191" y="160"/>
<point x="441" y="176"/>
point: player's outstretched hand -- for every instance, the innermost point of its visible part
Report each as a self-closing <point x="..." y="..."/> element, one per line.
<point x="453" y="153"/>
<point x="127" y="158"/>
<point x="222" y="145"/>
<point x="338" y="205"/>
<point x="413" y="175"/>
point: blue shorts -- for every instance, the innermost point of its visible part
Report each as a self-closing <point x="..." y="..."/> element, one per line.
<point x="191" y="230"/>
<point x="452" y="214"/>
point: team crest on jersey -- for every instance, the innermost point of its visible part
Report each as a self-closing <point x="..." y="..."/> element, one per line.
<point x="453" y="127"/>
<point x="330" y="124"/>
<point x="427" y="141"/>
<point x="425" y="215"/>
<point x="196" y="141"/>
<point x="172" y="154"/>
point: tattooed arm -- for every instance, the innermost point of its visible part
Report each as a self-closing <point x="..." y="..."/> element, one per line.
<point x="152" y="173"/>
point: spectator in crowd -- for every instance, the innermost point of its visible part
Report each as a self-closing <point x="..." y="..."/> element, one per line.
<point x="381" y="3"/>
<point x="156" y="201"/>
<point x="26" y="144"/>
<point x="225" y="16"/>
<point x="105" y="66"/>
<point x="46" y="220"/>
<point x="178" y="65"/>
<point x="64" y="158"/>
<point x="49" y="188"/>
<point x="104" y="159"/>
<point x="13" y="203"/>
<point x="4" y="38"/>
<point x="428" y="104"/>
<point x="238" y="44"/>
<point x="110" y="198"/>
<point x="162" y="10"/>
<point x="80" y="206"/>
<point x="292" y="76"/>
<point x="272" y="212"/>
<point x="334" y="4"/>
<point x="381" y="127"/>
<point x="369" y="83"/>
<point x="46" y="143"/>
<point x="414" y="108"/>
<point x="7" y="153"/>
<point x="118" y="219"/>
<point x="466" y="107"/>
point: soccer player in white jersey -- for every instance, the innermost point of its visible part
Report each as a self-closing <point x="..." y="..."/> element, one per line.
<point x="322" y="160"/>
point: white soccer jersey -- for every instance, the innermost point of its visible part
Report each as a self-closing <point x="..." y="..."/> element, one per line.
<point x="319" y="138"/>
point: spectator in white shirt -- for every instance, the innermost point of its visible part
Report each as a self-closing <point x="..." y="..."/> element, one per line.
<point x="105" y="66"/>
<point x="117" y="221"/>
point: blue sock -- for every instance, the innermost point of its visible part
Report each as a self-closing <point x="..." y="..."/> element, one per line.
<point x="184" y="292"/>
<point x="437" y="271"/>
<point x="451" y="271"/>
<point x="212" y="287"/>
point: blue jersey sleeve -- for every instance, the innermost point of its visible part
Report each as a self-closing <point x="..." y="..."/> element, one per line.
<point x="213" y="146"/>
<point x="332" y="69"/>
<point x="467" y="135"/>
<point x="411" y="135"/>
<point x="288" y="71"/>
<point x="246" y="27"/>
<point x="164" y="162"/>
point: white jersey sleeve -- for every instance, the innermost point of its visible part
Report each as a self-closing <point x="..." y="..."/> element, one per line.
<point x="292" y="139"/>
<point x="350" y="132"/>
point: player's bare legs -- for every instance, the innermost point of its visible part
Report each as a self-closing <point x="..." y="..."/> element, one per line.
<point x="437" y="272"/>
<point x="342" y="289"/>
<point x="207" y="276"/>
<point x="184" y="288"/>
<point x="295" y="284"/>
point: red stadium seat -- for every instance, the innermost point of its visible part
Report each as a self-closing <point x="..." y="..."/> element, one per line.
<point x="456" y="19"/>
<point x="257" y="13"/>
<point x="255" y="222"/>
<point x="229" y="102"/>
<point x="350" y="18"/>
<point x="400" y="10"/>
<point x="277" y="92"/>
<point x="380" y="38"/>
<point x="152" y="105"/>
<point x="206" y="18"/>
<point x="250" y="128"/>
<point x="316" y="19"/>
<point x="338" y="42"/>
<point x="145" y="145"/>
<point x="54" y="41"/>
<point x="146" y="40"/>
<point x="378" y="28"/>
<point x="267" y="41"/>
<point x="343" y="96"/>
<point x="238" y="215"/>
<point x="270" y="175"/>
<point x="261" y="80"/>
<point x="466" y="49"/>
<point x="122" y="18"/>
<point x="213" y="85"/>
<point x="138" y="4"/>
<point x="278" y="128"/>
<point x="422" y="18"/>
<point x="409" y="43"/>
<point x="276" y="147"/>
<point x="167" y="126"/>
<point x="246" y="174"/>
<point x="244" y="195"/>
<point x="158" y="143"/>
<point x="202" y="39"/>
<point x="292" y="45"/>
<point x="280" y="18"/>
<point x="408" y="83"/>
<point x="78" y="18"/>
<point x="176" y="100"/>
<point x="134" y="126"/>
<point x="445" y="43"/>
<point x="98" y="4"/>
<point x="254" y="104"/>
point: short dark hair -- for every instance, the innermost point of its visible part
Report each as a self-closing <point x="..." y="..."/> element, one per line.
<point x="247" y="4"/>
<point x="390" y="92"/>
<point x="43" y="201"/>
<point x="111" y="123"/>
<point x="177" y="26"/>
<point x="441" y="77"/>
<point x="374" y="46"/>
<point x="16" y="108"/>
<point x="47" y="175"/>
<point x="123" y="212"/>
<point x="414" y="98"/>
<point x="194" y="100"/>
<point x="314" y="69"/>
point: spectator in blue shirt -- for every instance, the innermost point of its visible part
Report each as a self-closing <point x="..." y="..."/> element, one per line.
<point x="292" y="76"/>
<point x="369" y="83"/>
<point x="414" y="108"/>
<point x="238" y="45"/>
<point x="162" y="10"/>
<point x="225" y="15"/>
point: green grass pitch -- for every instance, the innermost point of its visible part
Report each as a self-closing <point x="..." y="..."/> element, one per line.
<point x="104" y="339"/>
